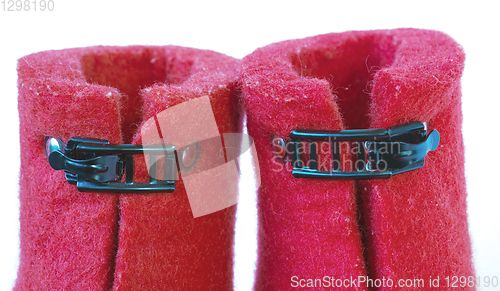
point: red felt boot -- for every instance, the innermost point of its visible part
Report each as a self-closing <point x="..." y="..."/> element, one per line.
<point x="72" y="240"/>
<point x="399" y="233"/>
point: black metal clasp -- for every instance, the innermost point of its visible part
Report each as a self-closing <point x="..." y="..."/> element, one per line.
<point x="380" y="153"/>
<point x="95" y="165"/>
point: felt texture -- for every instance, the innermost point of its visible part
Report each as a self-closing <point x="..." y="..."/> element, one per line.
<point x="411" y="226"/>
<point x="99" y="241"/>
<point x="161" y="245"/>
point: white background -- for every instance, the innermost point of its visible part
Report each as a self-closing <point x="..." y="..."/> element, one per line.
<point x="236" y="29"/>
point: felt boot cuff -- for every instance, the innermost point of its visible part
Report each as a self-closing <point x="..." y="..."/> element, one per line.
<point x="411" y="226"/>
<point x="97" y="241"/>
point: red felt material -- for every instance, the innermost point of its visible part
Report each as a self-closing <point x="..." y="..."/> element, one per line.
<point x="412" y="226"/>
<point x="96" y="241"/>
<point x="161" y="246"/>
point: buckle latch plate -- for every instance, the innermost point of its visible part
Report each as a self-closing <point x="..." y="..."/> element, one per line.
<point x="374" y="148"/>
<point x="95" y="165"/>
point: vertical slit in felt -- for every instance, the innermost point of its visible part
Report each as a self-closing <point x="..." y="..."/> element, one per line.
<point x="129" y="72"/>
<point x="363" y="221"/>
<point x="116" y="237"/>
<point x="350" y="66"/>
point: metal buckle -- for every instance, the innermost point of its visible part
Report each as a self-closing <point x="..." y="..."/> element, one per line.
<point x="95" y="165"/>
<point x="375" y="151"/>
